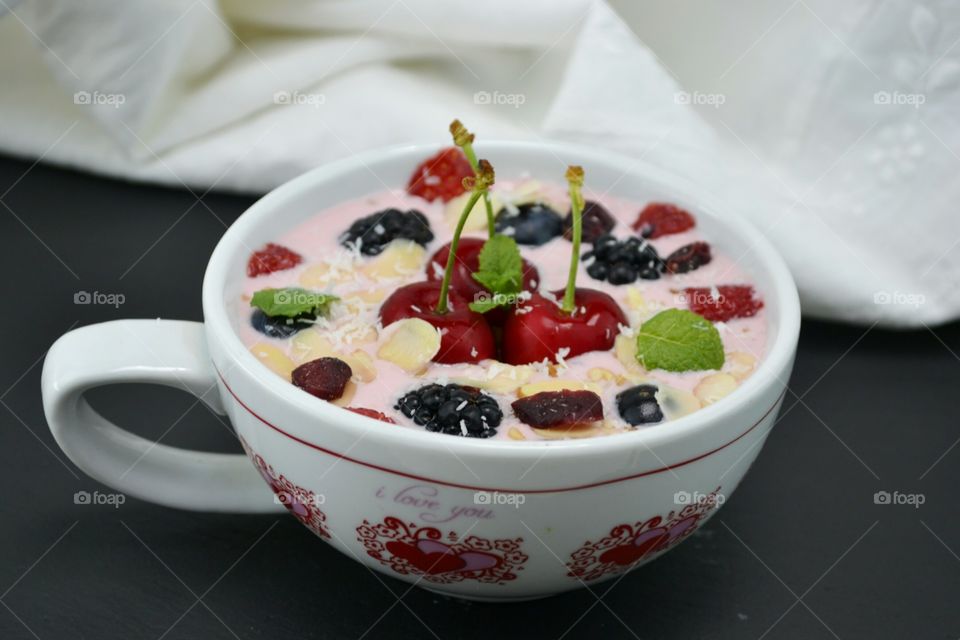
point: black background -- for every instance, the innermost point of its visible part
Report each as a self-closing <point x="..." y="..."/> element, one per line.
<point x="800" y="551"/>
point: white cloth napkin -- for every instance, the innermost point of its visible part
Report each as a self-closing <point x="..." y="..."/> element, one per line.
<point x="834" y="128"/>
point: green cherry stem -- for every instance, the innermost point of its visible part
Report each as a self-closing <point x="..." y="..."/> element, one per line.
<point x="575" y="180"/>
<point x="480" y="184"/>
<point x="464" y="139"/>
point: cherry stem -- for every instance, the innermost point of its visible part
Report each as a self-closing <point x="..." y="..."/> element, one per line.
<point x="575" y="180"/>
<point x="464" y="139"/>
<point x="480" y="184"/>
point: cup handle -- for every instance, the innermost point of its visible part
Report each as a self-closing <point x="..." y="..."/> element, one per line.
<point x="167" y="352"/>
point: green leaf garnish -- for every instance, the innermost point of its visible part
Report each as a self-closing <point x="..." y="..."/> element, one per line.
<point x="291" y="302"/>
<point x="679" y="340"/>
<point x="500" y="271"/>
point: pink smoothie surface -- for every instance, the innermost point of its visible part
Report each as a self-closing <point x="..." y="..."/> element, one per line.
<point x="316" y="240"/>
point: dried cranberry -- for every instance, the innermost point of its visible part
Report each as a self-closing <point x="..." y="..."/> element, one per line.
<point x="688" y="258"/>
<point x="325" y="378"/>
<point x="558" y="408"/>
<point x="596" y="222"/>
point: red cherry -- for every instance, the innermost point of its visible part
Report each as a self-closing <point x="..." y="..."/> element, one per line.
<point x="539" y="328"/>
<point x="465" y="334"/>
<point x="466" y="264"/>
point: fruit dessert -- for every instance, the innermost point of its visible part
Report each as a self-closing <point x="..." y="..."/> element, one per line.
<point x="472" y="306"/>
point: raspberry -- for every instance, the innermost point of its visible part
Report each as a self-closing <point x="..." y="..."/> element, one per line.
<point x="638" y="405"/>
<point x="441" y="176"/>
<point x="325" y="378"/>
<point x="596" y="222"/>
<point x="724" y="302"/>
<point x="558" y="408"/>
<point x="377" y="230"/>
<point x="452" y="409"/>
<point x="688" y="258"/>
<point x="662" y="219"/>
<point x="370" y="413"/>
<point x="272" y="257"/>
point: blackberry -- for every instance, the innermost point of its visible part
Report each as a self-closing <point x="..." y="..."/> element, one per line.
<point x="452" y="409"/>
<point x="377" y="230"/>
<point x="623" y="261"/>
<point x="638" y="405"/>
<point x="280" y="326"/>
<point x="596" y="222"/>
<point x="533" y="224"/>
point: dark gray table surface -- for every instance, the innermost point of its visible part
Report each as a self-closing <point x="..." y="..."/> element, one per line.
<point x="800" y="551"/>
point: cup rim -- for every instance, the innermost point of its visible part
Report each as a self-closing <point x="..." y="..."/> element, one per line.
<point x="775" y="363"/>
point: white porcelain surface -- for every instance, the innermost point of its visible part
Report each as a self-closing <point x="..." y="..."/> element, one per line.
<point x="402" y="500"/>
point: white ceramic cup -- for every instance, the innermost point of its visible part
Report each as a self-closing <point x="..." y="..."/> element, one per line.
<point x="479" y="519"/>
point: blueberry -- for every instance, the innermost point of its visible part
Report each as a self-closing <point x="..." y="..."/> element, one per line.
<point x="638" y="405"/>
<point x="534" y="224"/>
<point x="280" y="326"/>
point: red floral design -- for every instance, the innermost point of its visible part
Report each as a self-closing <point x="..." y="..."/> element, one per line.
<point x="629" y="545"/>
<point x="438" y="557"/>
<point x="302" y="503"/>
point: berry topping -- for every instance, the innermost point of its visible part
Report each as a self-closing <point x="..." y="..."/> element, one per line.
<point x="325" y="378"/>
<point x="563" y="408"/>
<point x="539" y="328"/>
<point x="662" y="219"/>
<point x="370" y="413"/>
<point x="723" y="303"/>
<point x="280" y="326"/>
<point x="623" y="261"/>
<point x="466" y="336"/>
<point x="272" y="257"/>
<point x="597" y="221"/>
<point x="452" y="409"/>
<point x="533" y="224"/>
<point x="468" y="263"/>
<point x="441" y="176"/>
<point x="638" y="405"/>
<point x="688" y="258"/>
<point x="377" y="230"/>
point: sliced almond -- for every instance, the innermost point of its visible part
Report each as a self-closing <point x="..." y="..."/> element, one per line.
<point x="362" y="365"/>
<point x="714" y="387"/>
<point x="516" y="434"/>
<point x="323" y="274"/>
<point x="587" y="430"/>
<point x="506" y="379"/>
<point x="677" y="403"/>
<point x="740" y="364"/>
<point x="625" y="348"/>
<point x="348" y="392"/>
<point x="400" y="258"/>
<point x="273" y="358"/>
<point x="559" y="384"/>
<point x="412" y="344"/>
<point x="477" y="219"/>
<point x="309" y="345"/>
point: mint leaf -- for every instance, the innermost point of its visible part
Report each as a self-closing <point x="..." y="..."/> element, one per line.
<point x="500" y="271"/>
<point x="679" y="340"/>
<point x="291" y="302"/>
